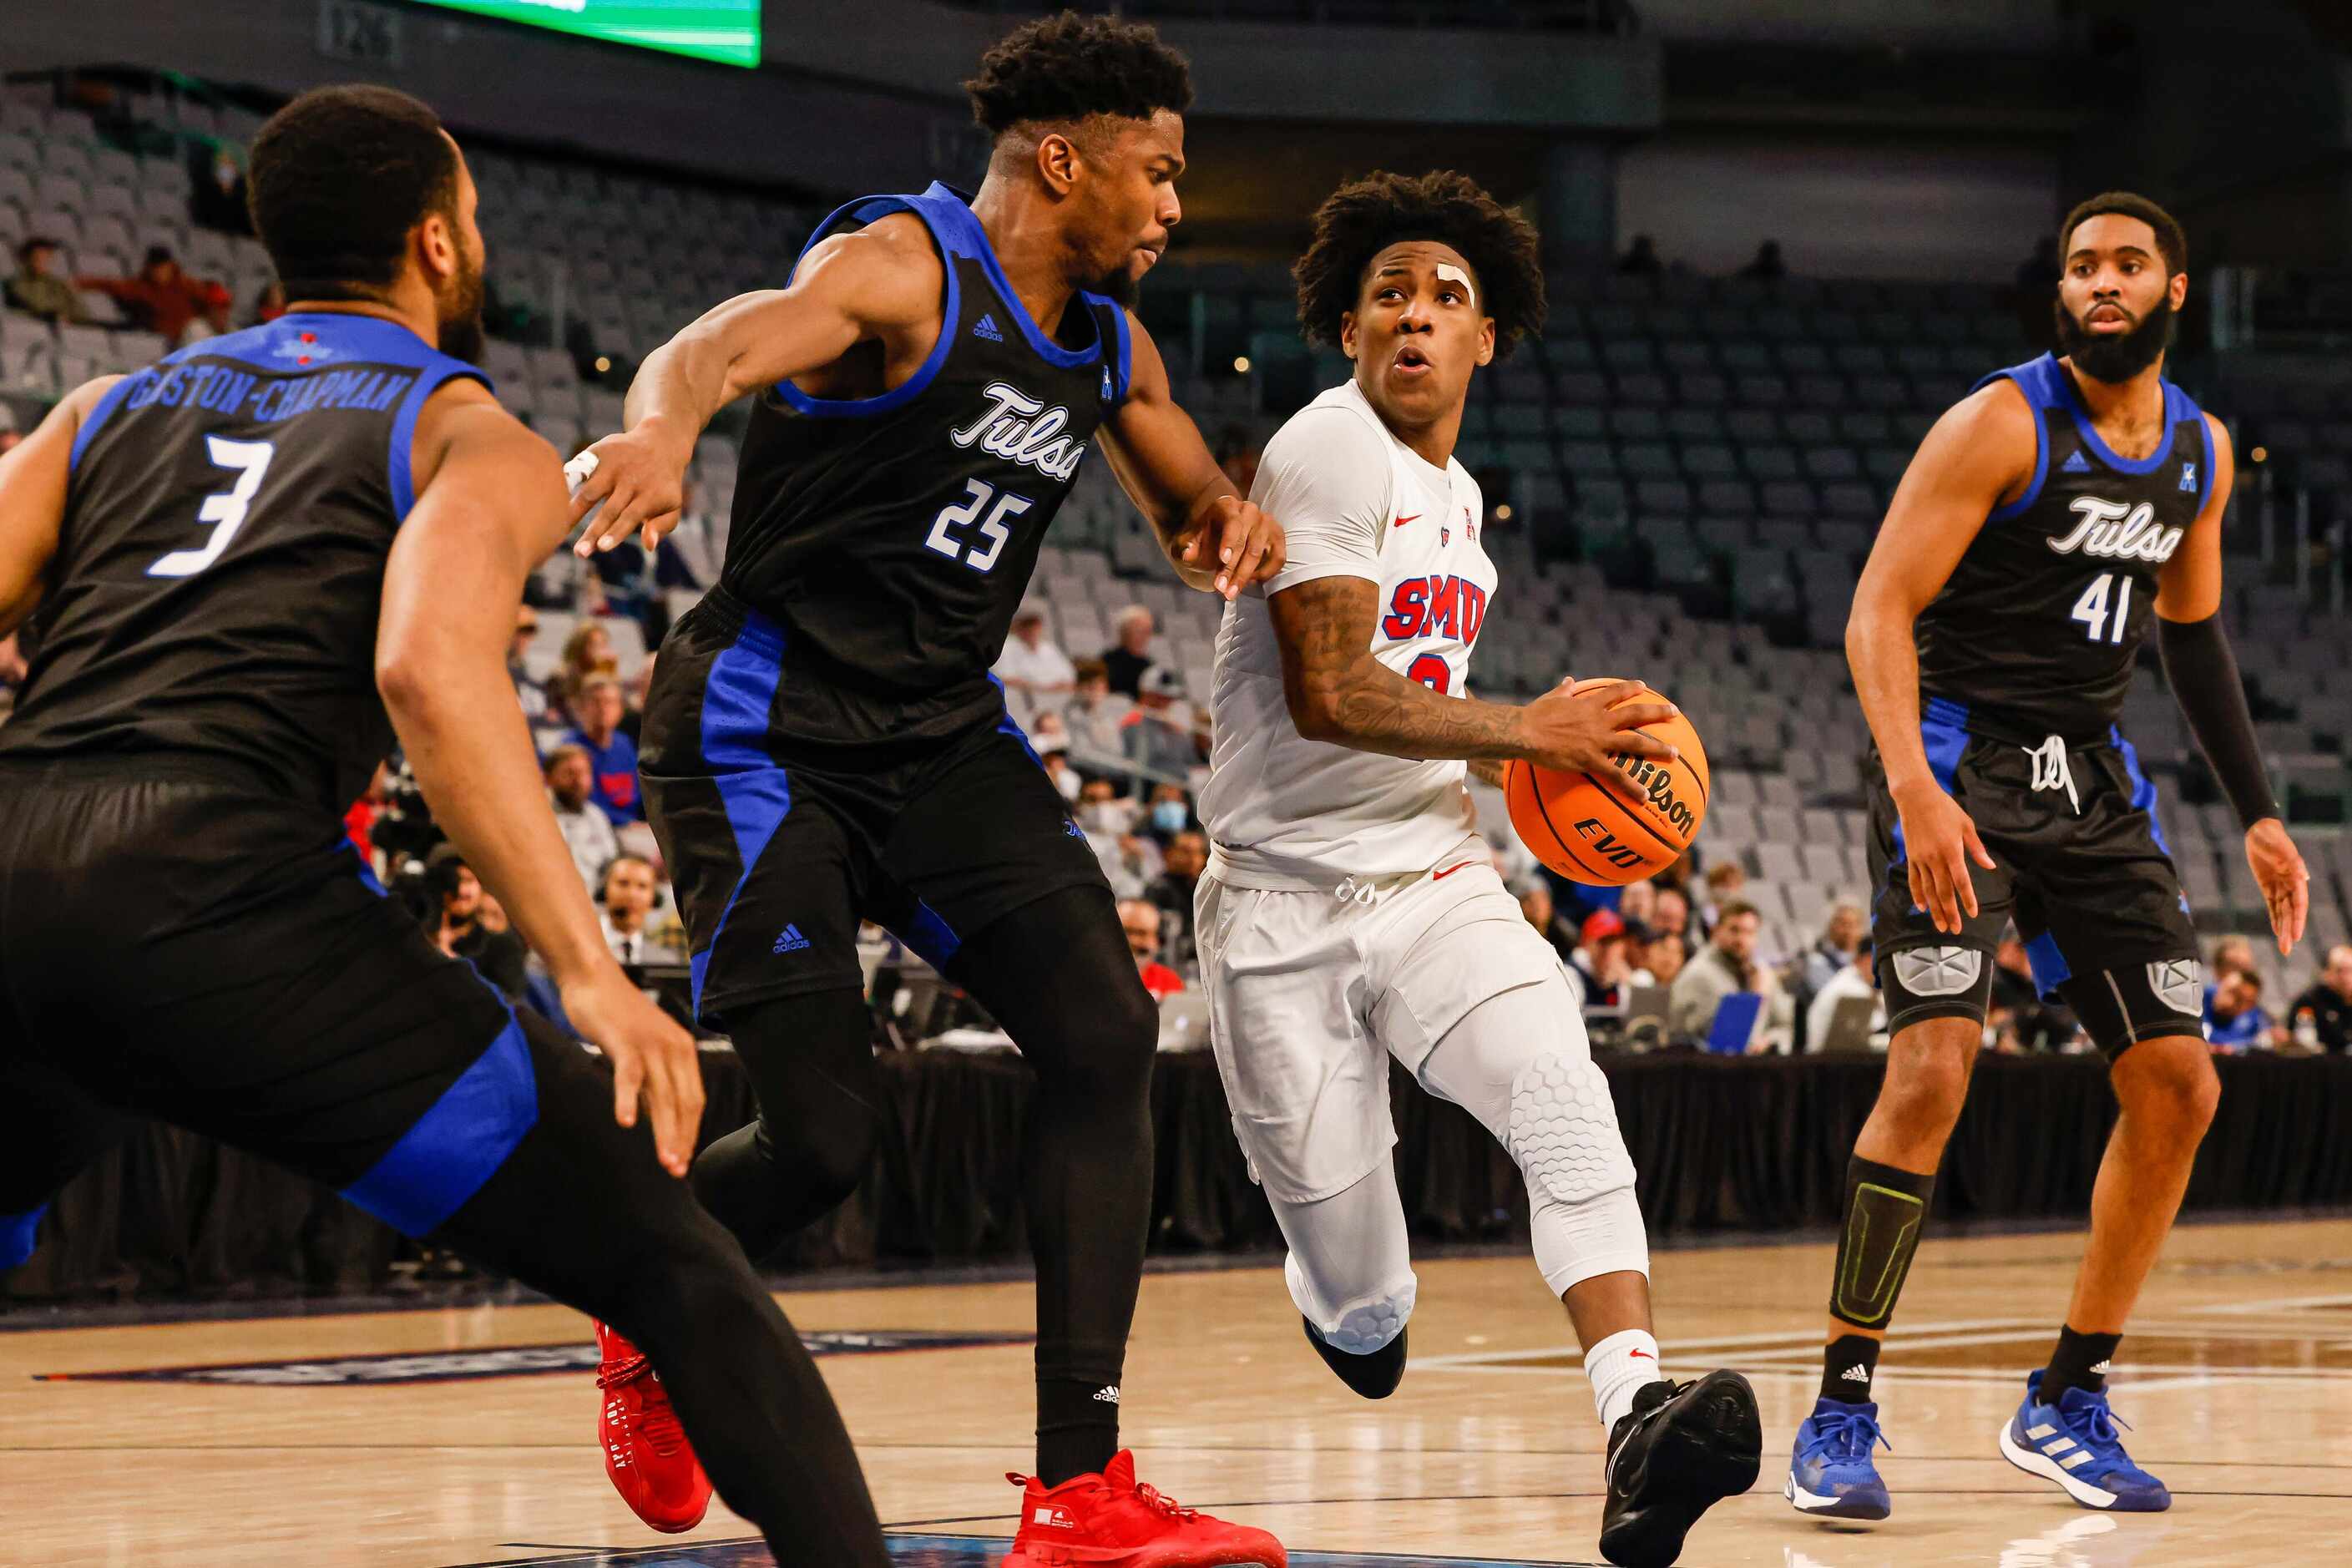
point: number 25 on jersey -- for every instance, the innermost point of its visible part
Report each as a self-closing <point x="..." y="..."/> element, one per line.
<point x="977" y="495"/>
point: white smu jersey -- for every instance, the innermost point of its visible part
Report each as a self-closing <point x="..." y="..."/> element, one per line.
<point x="1286" y="812"/>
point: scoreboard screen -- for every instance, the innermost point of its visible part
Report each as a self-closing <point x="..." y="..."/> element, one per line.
<point x="726" y="31"/>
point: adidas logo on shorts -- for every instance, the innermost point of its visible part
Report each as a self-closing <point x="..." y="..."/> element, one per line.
<point x="790" y="939"/>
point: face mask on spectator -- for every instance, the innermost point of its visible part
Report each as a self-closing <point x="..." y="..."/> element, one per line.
<point x="1168" y="816"/>
<point x="1070" y="783"/>
<point x="1102" y="816"/>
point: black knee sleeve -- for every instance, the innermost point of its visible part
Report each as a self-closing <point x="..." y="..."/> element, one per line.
<point x="1886" y="1210"/>
<point x="1948" y="979"/>
<point x="2128" y="1003"/>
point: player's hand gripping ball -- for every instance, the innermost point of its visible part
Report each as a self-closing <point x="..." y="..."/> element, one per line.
<point x="1621" y="829"/>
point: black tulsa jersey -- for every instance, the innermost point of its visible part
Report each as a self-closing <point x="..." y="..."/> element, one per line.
<point x="892" y="537"/>
<point x="2037" y="630"/>
<point x="220" y="567"/>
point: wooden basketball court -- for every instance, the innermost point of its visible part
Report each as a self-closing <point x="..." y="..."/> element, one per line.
<point x="378" y="1438"/>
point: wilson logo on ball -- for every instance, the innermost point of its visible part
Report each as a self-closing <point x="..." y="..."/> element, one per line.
<point x="1605" y="845"/>
<point x="1658" y="785"/>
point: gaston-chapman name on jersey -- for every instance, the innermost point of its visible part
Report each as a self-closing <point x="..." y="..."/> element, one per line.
<point x="1020" y="429"/>
<point x="2116" y="532"/>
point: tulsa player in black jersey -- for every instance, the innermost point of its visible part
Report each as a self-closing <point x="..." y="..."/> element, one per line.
<point x="824" y="742"/>
<point x="253" y="563"/>
<point x="2046" y="521"/>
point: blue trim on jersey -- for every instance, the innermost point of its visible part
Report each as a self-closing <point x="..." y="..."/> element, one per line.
<point x="459" y="1143"/>
<point x="19" y="1233"/>
<point x="954" y="210"/>
<point x="866" y="210"/>
<point x="2173" y="401"/>
<point x="737" y="698"/>
<point x="99" y="414"/>
<point x="2143" y="795"/>
<point x="1123" y="377"/>
<point x="1006" y="726"/>
<point x="2036" y="379"/>
<point x="930" y="936"/>
<point x="1944" y="735"/>
<point x="2048" y="965"/>
<point x="400" y="465"/>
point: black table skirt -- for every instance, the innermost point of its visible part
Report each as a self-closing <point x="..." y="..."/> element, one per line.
<point x="1742" y="1145"/>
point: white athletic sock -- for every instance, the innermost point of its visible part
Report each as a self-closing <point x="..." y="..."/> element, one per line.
<point x="1618" y="1366"/>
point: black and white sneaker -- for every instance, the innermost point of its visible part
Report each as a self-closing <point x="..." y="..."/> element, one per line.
<point x="1684" y="1448"/>
<point x="1375" y="1376"/>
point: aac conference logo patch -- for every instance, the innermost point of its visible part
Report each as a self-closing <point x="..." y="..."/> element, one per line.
<point x="500" y="1360"/>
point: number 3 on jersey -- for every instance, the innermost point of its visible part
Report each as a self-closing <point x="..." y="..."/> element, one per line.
<point x="976" y="498"/>
<point x="2091" y="609"/>
<point x="225" y="509"/>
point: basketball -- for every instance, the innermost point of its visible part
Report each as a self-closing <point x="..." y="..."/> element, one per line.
<point x="1589" y="832"/>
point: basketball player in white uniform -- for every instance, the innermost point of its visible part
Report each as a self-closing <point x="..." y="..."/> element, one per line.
<point x="1351" y="915"/>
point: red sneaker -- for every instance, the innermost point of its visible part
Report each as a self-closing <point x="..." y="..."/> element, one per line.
<point x="1109" y="1522"/>
<point x="646" y="1452"/>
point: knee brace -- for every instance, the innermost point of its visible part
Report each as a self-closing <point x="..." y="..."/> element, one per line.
<point x="1359" y="1327"/>
<point x="1564" y="1132"/>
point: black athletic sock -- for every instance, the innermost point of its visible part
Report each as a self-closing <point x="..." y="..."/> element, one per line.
<point x="1056" y="973"/>
<point x="1847" y="1367"/>
<point x="2080" y="1362"/>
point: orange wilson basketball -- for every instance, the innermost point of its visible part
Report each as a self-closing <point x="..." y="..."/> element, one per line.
<point x="1589" y="832"/>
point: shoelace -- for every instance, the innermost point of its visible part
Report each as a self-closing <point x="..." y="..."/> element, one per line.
<point x="2098" y="1423"/>
<point x="657" y="1427"/>
<point x="1162" y="1503"/>
<point x="1848" y="1437"/>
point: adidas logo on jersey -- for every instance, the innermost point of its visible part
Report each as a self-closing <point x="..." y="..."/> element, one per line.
<point x="986" y="328"/>
<point x="2078" y="464"/>
<point x="1857" y="1372"/>
<point x="2114" y="531"/>
<point x="790" y="939"/>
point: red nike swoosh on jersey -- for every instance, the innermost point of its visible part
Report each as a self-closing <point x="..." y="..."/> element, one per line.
<point x="1402" y="520"/>
<point x="1441" y="876"/>
<point x="1645" y="1355"/>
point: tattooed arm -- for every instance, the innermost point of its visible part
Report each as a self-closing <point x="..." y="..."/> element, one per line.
<point x="1340" y="693"/>
<point x="1486" y="771"/>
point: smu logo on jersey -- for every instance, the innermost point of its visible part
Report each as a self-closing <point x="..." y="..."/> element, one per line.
<point x="2119" y="532"/>
<point x="1020" y="429"/>
<point x="1435" y="606"/>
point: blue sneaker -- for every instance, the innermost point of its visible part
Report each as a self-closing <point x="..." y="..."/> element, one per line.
<point x="1831" y="1475"/>
<point x="2075" y="1444"/>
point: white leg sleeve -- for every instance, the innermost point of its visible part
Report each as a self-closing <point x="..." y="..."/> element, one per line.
<point x="1350" y="1268"/>
<point x="1520" y="1063"/>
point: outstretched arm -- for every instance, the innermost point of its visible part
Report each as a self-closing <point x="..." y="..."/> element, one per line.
<point x="1980" y="452"/>
<point x="879" y="281"/>
<point x="1217" y="540"/>
<point x="33" y="479"/>
<point x="2204" y="675"/>
<point x="489" y="507"/>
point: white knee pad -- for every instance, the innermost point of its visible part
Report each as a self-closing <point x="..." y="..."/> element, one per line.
<point x="1359" y="1326"/>
<point x="1563" y="1129"/>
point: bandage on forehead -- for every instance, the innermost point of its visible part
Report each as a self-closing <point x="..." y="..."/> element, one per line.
<point x="1449" y="273"/>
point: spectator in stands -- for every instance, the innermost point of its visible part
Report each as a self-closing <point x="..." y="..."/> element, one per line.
<point x="1769" y="266"/>
<point x="2322" y="1017"/>
<point x="1638" y="904"/>
<point x="2232" y="954"/>
<point x="632" y="721"/>
<point x="1601" y="960"/>
<point x="1140" y="920"/>
<point x="628" y="900"/>
<point x="1725" y="967"/>
<point x="216" y="191"/>
<point x="1171" y="813"/>
<point x="268" y="305"/>
<point x="587" y="831"/>
<point x="690" y="554"/>
<point x="1149" y="736"/>
<point x="2234" y="1020"/>
<point x="1536" y="904"/>
<point x="1031" y="662"/>
<point x="587" y="654"/>
<point x="1665" y="957"/>
<point x="1727" y="881"/>
<point x="1671" y="914"/>
<point x="1857" y="977"/>
<point x="165" y="299"/>
<point x="41" y="286"/>
<point x="1181" y="865"/>
<point x="1126" y="659"/>
<point x="1640" y="258"/>
<point x="1129" y="859"/>
<point x="454" y="903"/>
<point x="1053" y="752"/>
<point x="1092" y="713"/>
<point x="529" y="691"/>
<point x="612" y="755"/>
<point x="1842" y="937"/>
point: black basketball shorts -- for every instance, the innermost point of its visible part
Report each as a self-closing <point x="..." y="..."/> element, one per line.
<point x="778" y="847"/>
<point x="203" y="952"/>
<point x="2080" y="865"/>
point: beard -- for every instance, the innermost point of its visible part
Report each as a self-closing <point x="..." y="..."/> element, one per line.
<point x="460" y="311"/>
<point x="2118" y="356"/>
<point x="1119" y="285"/>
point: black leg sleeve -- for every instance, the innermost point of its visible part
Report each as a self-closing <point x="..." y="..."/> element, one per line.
<point x="581" y="1211"/>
